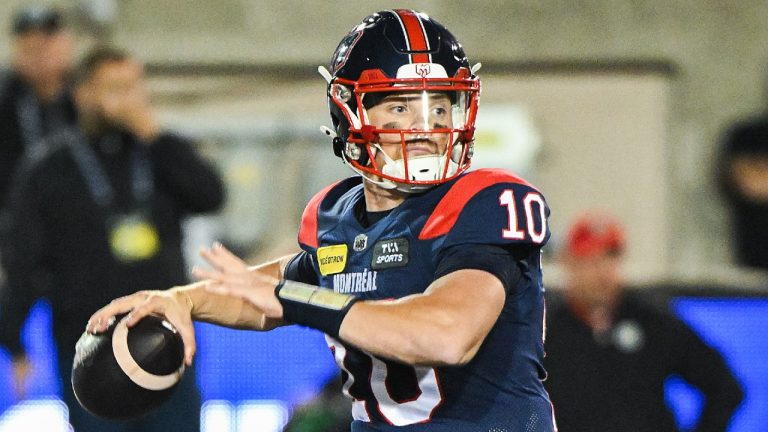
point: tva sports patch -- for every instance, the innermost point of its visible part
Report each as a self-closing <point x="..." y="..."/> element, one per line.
<point x="390" y="253"/>
<point x="332" y="259"/>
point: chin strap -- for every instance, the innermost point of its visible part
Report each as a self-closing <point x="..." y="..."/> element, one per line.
<point x="421" y="168"/>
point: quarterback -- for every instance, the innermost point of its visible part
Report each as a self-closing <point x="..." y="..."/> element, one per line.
<point x="424" y="276"/>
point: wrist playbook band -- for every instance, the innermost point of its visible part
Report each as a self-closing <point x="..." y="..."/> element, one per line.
<point x="314" y="307"/>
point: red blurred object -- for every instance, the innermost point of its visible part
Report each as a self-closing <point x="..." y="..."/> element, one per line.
<point x="595" y="233"/>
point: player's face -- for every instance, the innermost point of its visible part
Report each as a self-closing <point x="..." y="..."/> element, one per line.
<point x="420" y="113"/>
<point x="595" y="279"/>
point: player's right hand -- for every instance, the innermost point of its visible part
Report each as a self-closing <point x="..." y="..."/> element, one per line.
<point x="169" y="304"/>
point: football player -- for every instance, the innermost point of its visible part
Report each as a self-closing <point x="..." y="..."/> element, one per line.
<point x="425" y="278"/>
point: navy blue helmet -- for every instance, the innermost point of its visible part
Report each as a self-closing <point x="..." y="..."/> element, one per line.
<point x="405" y="55"/>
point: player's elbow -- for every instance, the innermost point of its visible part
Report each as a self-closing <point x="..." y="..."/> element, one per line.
<point x="450" y="353"/>
<point x="459" y="353"/>
<point x="450" y="347"/>
<point x="448" y="340"/>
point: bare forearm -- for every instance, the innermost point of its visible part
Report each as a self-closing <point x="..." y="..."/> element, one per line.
<point x="219" y="310"/>
<point x="230" y="311"/>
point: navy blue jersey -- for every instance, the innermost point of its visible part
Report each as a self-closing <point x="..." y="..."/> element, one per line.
<point x="500" y="389"/>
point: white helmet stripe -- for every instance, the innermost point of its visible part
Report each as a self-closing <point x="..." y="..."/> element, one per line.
<point x="415" y="40"/>
<point x="402" y="27"/>
<point x="426" y="39"/>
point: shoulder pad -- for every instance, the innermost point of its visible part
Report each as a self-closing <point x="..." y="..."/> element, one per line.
<point x="489" y="207"/>
<point x="309" y="219"/>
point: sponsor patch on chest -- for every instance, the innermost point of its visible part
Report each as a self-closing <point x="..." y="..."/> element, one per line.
<point x="332" y="259"/>
<point x="390" y="253"/>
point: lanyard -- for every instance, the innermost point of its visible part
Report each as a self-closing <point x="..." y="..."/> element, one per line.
<point x="29" y="113"/>
<point x="142" y="181"/>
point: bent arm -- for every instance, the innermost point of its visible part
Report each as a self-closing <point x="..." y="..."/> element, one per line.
<point x="231" y="311"/>
<point x="705" y="368"/>
<point x="187" y="176"/>
<point x="443" y="326"/>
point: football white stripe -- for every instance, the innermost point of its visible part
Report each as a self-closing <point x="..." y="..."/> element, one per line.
<point x="132" y="369"/>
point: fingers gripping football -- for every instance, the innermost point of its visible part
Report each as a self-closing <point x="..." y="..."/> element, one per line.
<point x="101" y="319"/>
<point x="168" y="304"/>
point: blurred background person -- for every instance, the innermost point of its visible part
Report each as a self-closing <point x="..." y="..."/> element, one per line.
<point x="35" y="98"/>
<point x="743" y="181"/>
<point x="99" y="217"/>
<point x="34" y="94"/>
<point x="609" y="353"/>
<point x="328" y="411"/>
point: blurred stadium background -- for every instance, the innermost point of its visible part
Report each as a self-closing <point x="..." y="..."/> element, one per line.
<point x="612" y="104"/>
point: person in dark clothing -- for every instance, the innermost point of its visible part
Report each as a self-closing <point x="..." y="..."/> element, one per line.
<point x="609" y="353"/>
<point x="100" y="216"/>
<point x="35" y="100"/>
<point x="329" y="411"/>
<point x="743" y="180"/>
<point x="34" y="93"/>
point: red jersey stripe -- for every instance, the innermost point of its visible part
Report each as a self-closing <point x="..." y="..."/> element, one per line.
<point x="447" y="211"/>
<point x="308" y="229"/>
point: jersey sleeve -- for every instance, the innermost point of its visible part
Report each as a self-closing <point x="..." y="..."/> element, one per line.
<point x="495" y="260"/>
<point x="492" y="208"/>
<point x="301" y="268"/>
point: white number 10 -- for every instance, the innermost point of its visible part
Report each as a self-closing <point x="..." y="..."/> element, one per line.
<point x="514" y="231"/>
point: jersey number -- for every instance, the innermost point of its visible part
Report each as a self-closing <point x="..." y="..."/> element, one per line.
<point x="403" y="394"/>
<point x="533" y="206"/>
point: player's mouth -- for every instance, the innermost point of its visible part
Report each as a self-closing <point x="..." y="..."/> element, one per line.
<point x="420" y="147"/>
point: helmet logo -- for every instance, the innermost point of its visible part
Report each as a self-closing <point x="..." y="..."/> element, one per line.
<point x="422" y="69"/>
<point x="341" y="55"/>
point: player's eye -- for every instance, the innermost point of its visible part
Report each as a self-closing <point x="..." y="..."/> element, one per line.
<point x="439" y="111"/>
<point x="399" y="108"/>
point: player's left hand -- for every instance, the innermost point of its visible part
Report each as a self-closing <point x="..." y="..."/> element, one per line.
<point x="231" y="276"/>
